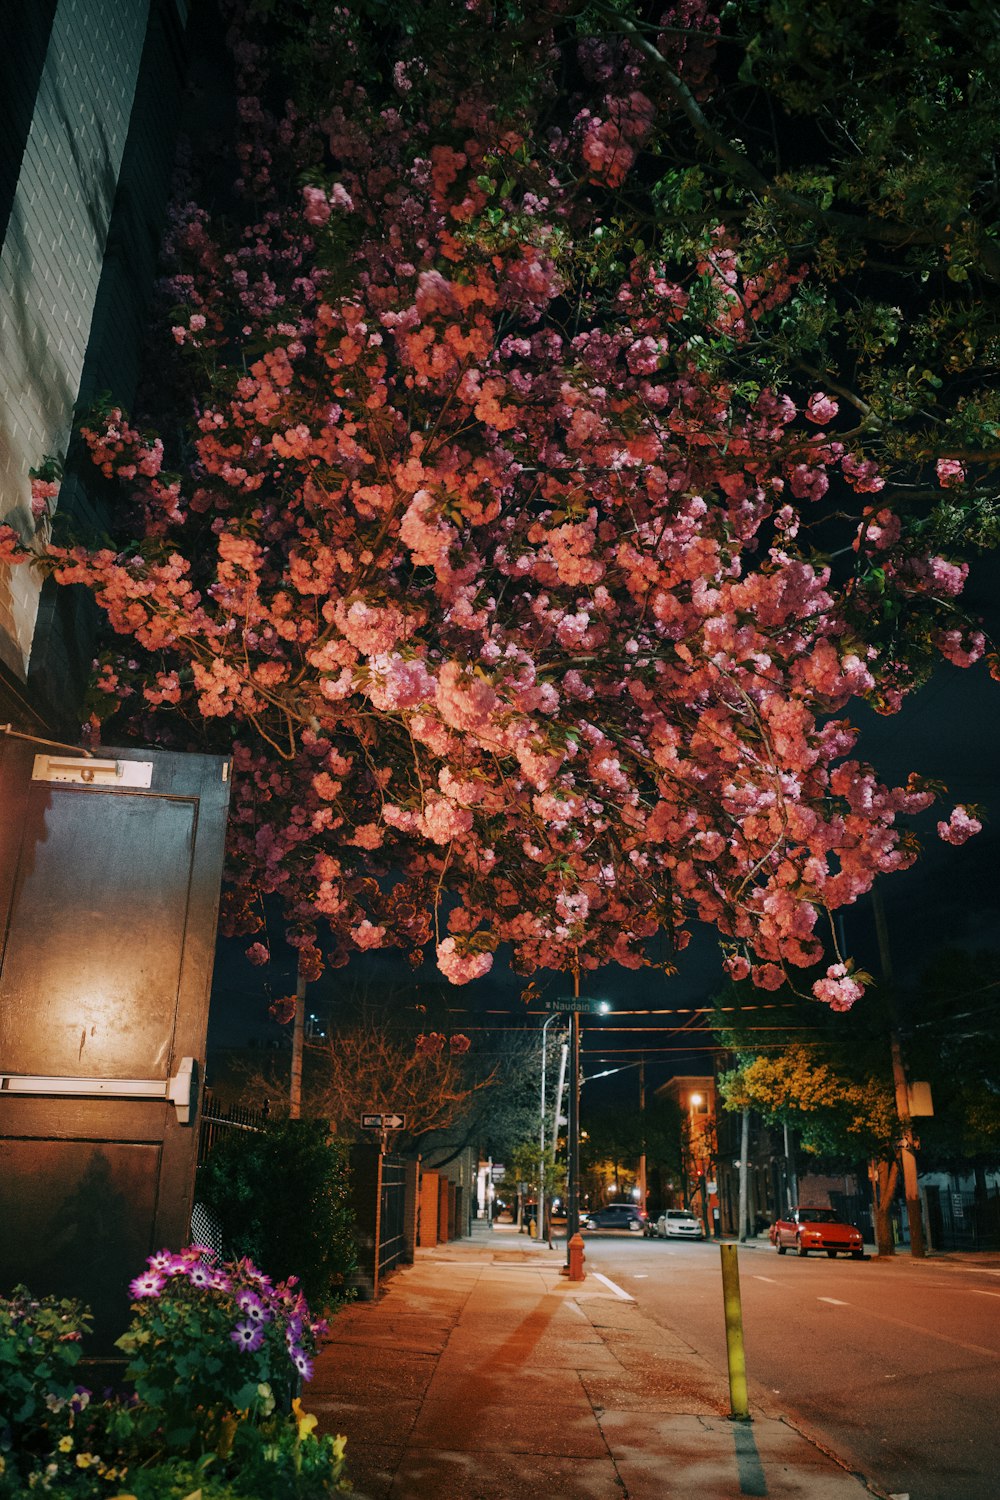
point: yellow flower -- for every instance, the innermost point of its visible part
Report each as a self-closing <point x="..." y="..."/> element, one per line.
<point x="339" y="1444"/>
<point x="65" y="1444"/>
<point x="305" y="1419"/>
<point x="84" y="1460"/>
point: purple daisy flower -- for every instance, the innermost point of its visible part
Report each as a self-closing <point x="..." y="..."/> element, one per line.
<point x="302" y="1362"/>
<point x="149" y="1284"/>
<point x="248" y="1336"/>
<point x="199" y="1275"/>
<point x="252" y="1307"/>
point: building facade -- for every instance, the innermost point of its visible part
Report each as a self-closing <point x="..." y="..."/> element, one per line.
<point x="90" y="92"/>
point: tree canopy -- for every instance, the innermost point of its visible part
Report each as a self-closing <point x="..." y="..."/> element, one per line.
<point x="537" y="459"/>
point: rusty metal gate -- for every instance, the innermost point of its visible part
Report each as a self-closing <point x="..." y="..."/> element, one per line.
<point x="392" y="1195"/>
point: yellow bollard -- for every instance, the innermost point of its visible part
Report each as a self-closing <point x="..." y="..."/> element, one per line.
<point x="735" y="1354"/>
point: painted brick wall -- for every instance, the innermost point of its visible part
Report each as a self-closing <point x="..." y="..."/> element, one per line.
<point x="50" y="263"/>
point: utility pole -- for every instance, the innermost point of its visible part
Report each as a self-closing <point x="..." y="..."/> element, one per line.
<point x="541" y="1137"/>
<point x="744" y="1153"/>
<point x="298" y="1038"/>
<point x="642" y="1121"/>
<point x="907" y="1149"/>
<point x="573" y="1122"/>
<point x="791" y="1179"/>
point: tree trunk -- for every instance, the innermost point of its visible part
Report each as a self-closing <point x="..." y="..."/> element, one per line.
<point x="884" y="1176"/>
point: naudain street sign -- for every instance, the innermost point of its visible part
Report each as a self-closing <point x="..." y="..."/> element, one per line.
<point x="576" y="1002"/>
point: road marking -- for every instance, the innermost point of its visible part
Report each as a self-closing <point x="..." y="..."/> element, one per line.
<point x="835" y="1301"/>
<point x="769" y="1279"/>
<point x="977" y="1291"/>
<point x="644" y="1276"/>
<point x="616" y="1289"/>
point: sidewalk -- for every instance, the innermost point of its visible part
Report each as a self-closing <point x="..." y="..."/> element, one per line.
<point x="481" y="1373"/>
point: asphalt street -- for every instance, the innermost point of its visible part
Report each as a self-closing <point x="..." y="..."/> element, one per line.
<point x="893" y="1365"/>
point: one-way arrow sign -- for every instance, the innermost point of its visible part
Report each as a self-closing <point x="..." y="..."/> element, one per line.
<point x="383" y="1122"/>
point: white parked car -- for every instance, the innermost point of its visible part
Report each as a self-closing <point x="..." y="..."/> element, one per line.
<point x="679" y="1224"/>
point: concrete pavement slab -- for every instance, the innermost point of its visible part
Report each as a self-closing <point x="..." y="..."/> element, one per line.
<point x="514" y="1387"/>
<point x="490" y="1427"/>
<point x="458" y="1476"/>
<point x="346" y="1378"/>
<point x="369" y="1422"/>
<point x="655" y="1387"/>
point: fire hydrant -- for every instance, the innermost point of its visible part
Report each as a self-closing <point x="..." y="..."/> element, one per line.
<point x="574" y="1271"/>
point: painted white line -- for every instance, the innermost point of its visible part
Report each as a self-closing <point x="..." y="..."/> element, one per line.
<point x="835" y="1300"/>
<point x="616" y="1289"/>
<point x="644" y="1276"/>
<point x="769" y="1279"/>
<point x="978" y="1292"/>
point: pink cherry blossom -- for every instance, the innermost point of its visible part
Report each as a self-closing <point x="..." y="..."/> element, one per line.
<point x="949" y="472"/>
<point x="961" y="825"/>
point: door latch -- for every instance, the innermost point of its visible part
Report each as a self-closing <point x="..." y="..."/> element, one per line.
<point x="176" y="1090"/>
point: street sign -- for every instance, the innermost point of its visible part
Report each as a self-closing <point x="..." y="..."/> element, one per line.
<point x="383" y="1122"/>
<point x="575" y="1002"/>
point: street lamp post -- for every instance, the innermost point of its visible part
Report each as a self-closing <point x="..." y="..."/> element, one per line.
<point x="573" y="1125"/>
<point x="541" y="1131"/>
<point x="642" y="1122"/>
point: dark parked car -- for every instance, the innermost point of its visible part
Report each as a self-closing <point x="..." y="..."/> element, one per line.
<point x="614" y="1216"/>
<point x="808" y="1229"/>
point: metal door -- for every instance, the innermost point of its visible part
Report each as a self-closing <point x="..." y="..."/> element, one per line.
<point x="109" y="887"/>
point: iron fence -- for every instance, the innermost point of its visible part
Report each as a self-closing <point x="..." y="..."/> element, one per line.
<point x="961" y="1221"/>
<point x="216" y="1122"/>
<point x="391" y="1247"/>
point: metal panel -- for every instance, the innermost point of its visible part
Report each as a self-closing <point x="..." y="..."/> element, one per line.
<point x="96" y="921"/>
<point x="82" y="1208"/>
<point x="108" y="907"/>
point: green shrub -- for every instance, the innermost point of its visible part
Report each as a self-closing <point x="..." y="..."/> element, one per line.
<point x="281" y="1197"/>
<point x="40" y="1339"/>
<point x="215" y="1353"/>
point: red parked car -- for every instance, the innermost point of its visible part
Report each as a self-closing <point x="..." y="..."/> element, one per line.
<point x="808" y="1229"/>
